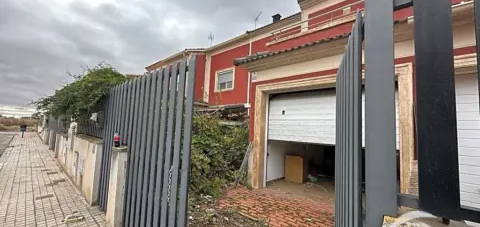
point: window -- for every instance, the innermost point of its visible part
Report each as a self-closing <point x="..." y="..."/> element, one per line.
<point x="225" y="80"/>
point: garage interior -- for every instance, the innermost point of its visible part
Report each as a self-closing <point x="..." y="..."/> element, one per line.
<point x="302" y="169"/>
<point x="300" y="157"/>
<point x="301" y="144"/>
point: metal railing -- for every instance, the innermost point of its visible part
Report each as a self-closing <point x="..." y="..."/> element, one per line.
<point x="332" y="18"/>
<point x="90" y="128"/>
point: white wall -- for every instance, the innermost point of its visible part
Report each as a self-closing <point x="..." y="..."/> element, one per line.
<point x="276" y="157"/>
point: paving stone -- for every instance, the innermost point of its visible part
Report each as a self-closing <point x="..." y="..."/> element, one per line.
<point x="277" y="208"/>
<point x="36" y="192"/>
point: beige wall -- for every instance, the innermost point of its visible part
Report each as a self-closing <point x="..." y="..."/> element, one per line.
<point x="80" y="157"/>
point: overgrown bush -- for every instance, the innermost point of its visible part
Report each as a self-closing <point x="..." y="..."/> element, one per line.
<point x="84" y="96"/>
<point x="217" y="153"/>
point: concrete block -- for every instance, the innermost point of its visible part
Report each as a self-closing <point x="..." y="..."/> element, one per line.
<point x="52" y="140"/>
<point x="84" y="162"/>
<point x="116" y="188"/>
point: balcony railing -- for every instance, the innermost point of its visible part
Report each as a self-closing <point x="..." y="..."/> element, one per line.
<point x="317" y="22"/>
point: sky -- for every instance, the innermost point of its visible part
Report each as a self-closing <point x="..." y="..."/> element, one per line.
<point x="42" y="41"/>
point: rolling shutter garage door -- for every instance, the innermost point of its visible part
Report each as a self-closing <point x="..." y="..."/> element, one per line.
<point x="307" y="117"/>
<point x="468" y="132"/>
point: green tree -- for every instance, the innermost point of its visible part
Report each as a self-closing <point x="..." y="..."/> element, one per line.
<point x="84" y="96"/>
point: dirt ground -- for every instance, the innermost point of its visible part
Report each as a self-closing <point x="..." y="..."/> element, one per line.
<point x="322" y="192"/>
<point x="10" y="124"/>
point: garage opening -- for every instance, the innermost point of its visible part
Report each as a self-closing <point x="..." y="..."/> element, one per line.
<point x="300" y="151"/>
<point x="301" y="144"/>
<point x="303" y="169"/>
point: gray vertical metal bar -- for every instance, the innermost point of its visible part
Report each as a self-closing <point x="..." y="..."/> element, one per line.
<point x="148" y="149"/>
<point x="350" y="122"/>
<point x="168" y="147"/>
<point x="117" y="103"/>
<point x="436" y="109"/>
<point x="477" y="38"/>
<point x="187" y="137"/>
<point x="357" y="119"/>
<point x="344" y="125"/>
<point x="348" y="142"/>
<point x="141" y="165"/>
<point x="125" y="141"/>
<point x="337" y="137"/>
<point x="155" y="145"/>
<point x="127" y="114"/>
<point x="132" y="154"/>
<point x="136" y="149"/>
<point x="345" y="142"/>
<point x="177" y="134"/>
<point x="108" y="119"/>
<point x="120" y="110"/>
<point x="338" y="142"/>
<point x="347" y="138"/>
<point x="339" y="177"/>
<point x="161" y="149"/>
<point x="123" y="115"/>
<point x="128" y="186"/>
<point x="106" y="151"/>
<point x="105" y="156"/>
<point x="381" y="165"/>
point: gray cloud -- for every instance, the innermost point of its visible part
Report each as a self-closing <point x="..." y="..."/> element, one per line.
<point x="40" y="41"/>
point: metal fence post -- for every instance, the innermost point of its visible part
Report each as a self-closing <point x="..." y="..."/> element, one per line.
<point x="435" y="109"/>
<point x="381" y="164"/>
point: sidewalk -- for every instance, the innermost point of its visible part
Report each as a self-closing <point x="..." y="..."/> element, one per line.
<point x="35" y="192"/>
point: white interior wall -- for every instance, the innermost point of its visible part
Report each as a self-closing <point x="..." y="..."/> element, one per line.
<point x="277" y="150"/>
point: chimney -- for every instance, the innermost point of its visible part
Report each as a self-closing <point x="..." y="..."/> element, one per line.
<point x="276" y="17"/>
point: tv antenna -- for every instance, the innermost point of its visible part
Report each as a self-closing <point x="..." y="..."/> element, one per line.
<point x="257" y="18"/>
<point x="211" y="37"/>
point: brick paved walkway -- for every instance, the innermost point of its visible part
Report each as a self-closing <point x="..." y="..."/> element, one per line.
<point x="35" y="192"/>
<point x="278" y="208"/>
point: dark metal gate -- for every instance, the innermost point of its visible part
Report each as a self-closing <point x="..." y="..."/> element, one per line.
<point x="153" y="116"/>
<point x="435" y="116"/>
<point x="348" y="152"/>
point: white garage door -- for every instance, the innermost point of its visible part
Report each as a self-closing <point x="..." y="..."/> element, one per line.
<point x="303" y="117"/>
<point x="307" y="117"/>
<point x="468" y="132"/>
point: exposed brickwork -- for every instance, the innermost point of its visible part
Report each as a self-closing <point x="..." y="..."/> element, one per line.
<point x="35" y="192"/>
<point x="278" y="208"/>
